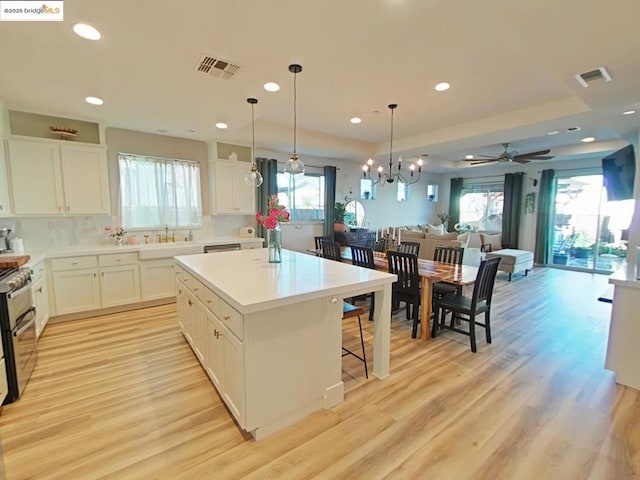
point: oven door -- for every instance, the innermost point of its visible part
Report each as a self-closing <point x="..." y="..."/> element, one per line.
<point x="25" y="346"/>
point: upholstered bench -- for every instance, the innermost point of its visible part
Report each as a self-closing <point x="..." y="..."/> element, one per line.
<point x="513" y="261"/>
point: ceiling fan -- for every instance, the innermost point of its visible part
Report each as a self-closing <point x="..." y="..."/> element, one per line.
<point x="512" y="156"/>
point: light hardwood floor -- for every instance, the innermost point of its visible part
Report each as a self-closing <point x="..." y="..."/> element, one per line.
<point x="123" y="397"/>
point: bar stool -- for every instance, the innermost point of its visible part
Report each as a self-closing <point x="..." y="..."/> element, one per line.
<point x="350" y="311"/>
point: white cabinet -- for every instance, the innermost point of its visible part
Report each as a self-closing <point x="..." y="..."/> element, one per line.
<point x="53" y="178"/>
<point x="232" y="195"/>
<point x="119" y="285"/>
<point x="76" y="290"/>
<point x="39" y="293"/>
<point x="5" y="208"/>
<point x="208" y="329"/>
<point x="157" y="279"/>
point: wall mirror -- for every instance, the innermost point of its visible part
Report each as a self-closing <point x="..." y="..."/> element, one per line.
<point x="354" y="216"/>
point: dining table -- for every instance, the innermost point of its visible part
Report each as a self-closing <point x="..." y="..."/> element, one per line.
<point x="430" y="271"/>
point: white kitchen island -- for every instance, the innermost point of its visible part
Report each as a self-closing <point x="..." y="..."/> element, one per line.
<point x="269" y="335"/>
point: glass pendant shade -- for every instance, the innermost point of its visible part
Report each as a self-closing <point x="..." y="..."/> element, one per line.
<point x="294" y="166"/>
<point x="253" y="177"/>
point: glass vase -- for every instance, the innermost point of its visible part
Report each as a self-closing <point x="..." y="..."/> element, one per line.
<point x="119" y="241"/>
<point x="274" y="245"/>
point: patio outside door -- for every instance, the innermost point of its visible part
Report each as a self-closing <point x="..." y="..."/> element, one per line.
<point x="588" y="228"/>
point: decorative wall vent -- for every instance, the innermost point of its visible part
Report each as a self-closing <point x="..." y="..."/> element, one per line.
<point x="216" y="67"/>
<point x="591" y="76"/>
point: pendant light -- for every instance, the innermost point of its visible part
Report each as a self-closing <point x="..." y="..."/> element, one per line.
<point x="294" y="166"/>
<point x="253" y="176"/>
<point x="398" y="176"/>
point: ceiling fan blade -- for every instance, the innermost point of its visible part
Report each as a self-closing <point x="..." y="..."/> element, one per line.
<point x="484" y="161"/>
<point x="521" y="160"/>
<point x="543" y="157"/>
<point x="532" y="154"/>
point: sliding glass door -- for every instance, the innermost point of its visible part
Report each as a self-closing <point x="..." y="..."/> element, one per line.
<point x="588" y="230"/>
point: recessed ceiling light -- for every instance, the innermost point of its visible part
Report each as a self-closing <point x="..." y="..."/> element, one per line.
<point x="588" y="139"/>
<point x="629" y="112"/>
<point x="271" y="87"/>
<point x="442" y="86"/>
<point x="221" y="125"/>
<point x="355" y="120"/>
<point x="573" y="129"/>
<point x="469" y="157"/>
<point x="86" y="31"/>
<point x="94" y="100"/>
<point x="553" y="132"/>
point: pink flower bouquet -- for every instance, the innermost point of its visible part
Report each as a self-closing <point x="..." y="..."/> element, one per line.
<point x="277" y="214"/>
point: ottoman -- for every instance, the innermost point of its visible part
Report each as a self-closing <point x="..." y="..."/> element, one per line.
<point x="513" y="261"/>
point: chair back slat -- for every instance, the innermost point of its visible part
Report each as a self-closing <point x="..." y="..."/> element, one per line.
<point x="452" y="255"/>
<point x="330" y="250"/>
<point x="409" y="247"/>
<point x="405" y="266"/>
<point x="362" y="257"/>
<point x="485" y="280"/>
<point x="321" y="239"/>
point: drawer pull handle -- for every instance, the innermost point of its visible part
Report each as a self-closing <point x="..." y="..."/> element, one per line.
<point x="118" y="260"/>
<point x="180" y="291"/>
<point x="227" y="317"/>
<point x="190" y="303"/>
<point x="39" y="290"/>
<point x="208" y="301"/>
<point x="74" y="263"/>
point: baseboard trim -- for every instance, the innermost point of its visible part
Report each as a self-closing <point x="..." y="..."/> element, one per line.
<point x="109" y="310"/>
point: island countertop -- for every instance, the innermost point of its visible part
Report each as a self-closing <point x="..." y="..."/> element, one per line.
<point x="249" y="283"/>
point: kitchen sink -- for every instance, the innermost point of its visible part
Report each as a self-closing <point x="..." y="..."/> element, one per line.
<point x="168" y="250"/>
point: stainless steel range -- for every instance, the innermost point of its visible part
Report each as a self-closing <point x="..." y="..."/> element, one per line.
<point x="18" y="329"/>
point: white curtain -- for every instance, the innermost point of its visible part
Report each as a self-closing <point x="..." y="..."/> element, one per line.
<point x="155" y="192"/>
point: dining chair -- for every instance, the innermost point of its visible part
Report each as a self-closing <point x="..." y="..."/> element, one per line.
<point x="409" y="247"/>
<point x="350" y="311"/>
<point x="379" y="245"/>
<point x="467" y="308"/>
<point x="319" y="239"/>
<point x="407" y="287"/>
<point x="363" y="257"/>
<point x="330" y="250"/>
<point x="450" y="255"/>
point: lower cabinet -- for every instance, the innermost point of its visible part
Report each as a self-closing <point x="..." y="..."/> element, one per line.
<point x="119" y="285"/>
<point x="218" y="350"/>
<point x="76" y="290"/>
<point x="157" y="279"/>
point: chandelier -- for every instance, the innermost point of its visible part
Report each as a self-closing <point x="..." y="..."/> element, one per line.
<point x="415" y="169"/>
<point x="294" y="166"/>
<point x="253" y="176"/>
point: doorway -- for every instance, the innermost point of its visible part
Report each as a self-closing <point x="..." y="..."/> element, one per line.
<point x="588" y="233"/>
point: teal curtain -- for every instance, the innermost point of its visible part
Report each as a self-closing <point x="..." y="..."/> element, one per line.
<point x="512" y="209"/>
<point x="268" y="168"/>
<point x="329" y="199"/>
<point x="544" y="220"/>
<point x="454" y="202"/>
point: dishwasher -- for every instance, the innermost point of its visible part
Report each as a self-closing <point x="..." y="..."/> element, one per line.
<point x="228" y="247"/>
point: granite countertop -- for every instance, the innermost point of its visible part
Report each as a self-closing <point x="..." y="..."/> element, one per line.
<point x="247" y="281"/>
<point x="71" y="251"/>
<point x="625" y="276"/>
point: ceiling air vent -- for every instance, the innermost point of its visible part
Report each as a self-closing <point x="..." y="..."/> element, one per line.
<point x="599" y="73"/>
<point x="216" y="67"/>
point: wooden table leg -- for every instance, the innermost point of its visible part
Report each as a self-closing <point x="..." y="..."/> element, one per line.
<point x="427" y="286"/>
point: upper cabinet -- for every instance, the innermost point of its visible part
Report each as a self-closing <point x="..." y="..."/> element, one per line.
<point x="58" y="178"/>
<point x="232" y="194"/>
<point x="4" y="186"/>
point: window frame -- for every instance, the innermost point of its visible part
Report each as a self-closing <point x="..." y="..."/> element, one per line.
<point x="289" y="192"/>
<point x="486" y="188"/>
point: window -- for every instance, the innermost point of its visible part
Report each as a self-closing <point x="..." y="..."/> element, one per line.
<point x="367" y="189"/>
<point x="155" y="192"/>
<point x="481" y="206"/>
<point x="303" y="196"/>
<point x="403" y="192"/>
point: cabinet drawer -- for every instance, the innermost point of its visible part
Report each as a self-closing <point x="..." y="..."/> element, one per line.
<point x="179" y="271"/>
<point x="115" y="259"/>
<point x="232" y="319"/>
<point x="198" y="289"/>
<point x="37" y="271"/>
<point x="212" y="301"/>
<point x="73" y="263"/>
